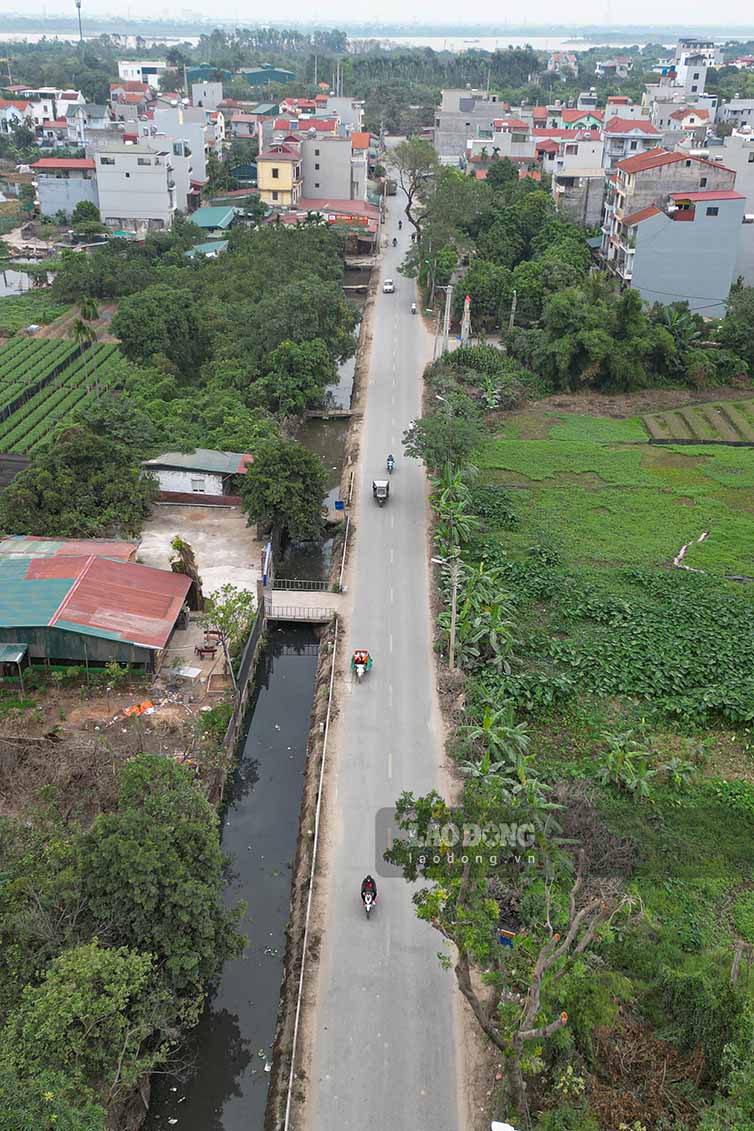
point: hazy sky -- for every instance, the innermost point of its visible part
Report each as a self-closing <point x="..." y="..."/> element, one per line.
<point x="607" y="12"/>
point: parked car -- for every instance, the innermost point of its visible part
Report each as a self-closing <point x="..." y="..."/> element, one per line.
<point x="388" y="287"/>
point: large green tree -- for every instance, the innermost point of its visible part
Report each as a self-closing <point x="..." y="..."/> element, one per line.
<point x="161" y="321"/>
<point x="736" y="332"/>
<point x="285" y="488"/>
<point x="298" y="375"/>
<point x="84" y="486"/>
<point x="416" y="162"/>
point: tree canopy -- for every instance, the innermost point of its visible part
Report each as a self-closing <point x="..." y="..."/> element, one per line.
<point x="285" y="487"/>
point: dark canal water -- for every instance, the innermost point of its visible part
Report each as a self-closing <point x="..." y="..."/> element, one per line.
<point x="232" y="1045"/>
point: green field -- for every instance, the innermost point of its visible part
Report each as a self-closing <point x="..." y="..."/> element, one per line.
<point x="595" y="491"/>
<point x="714" y="421"/>
<point x="45" y="382"/>
<point x="19" y="311"/>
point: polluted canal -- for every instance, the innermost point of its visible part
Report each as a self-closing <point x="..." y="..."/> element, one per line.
<point x="231" y="1048"/>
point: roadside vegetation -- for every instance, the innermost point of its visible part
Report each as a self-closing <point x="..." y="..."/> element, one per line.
<point x="600" y="692"/>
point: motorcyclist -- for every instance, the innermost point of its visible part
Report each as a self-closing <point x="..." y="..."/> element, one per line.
<point x="368" y="885"/>
<point x="395" y="242"/>
<point x="413" y="308"/>
<point x="390" y="462"/>
<point x="400" y="225"/>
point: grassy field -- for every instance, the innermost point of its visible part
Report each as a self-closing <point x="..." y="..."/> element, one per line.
<point x="594" y="489"/>
<point x="715" y="421"/>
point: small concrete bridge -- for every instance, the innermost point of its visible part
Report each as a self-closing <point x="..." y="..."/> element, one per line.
<point x="306" y="608"/>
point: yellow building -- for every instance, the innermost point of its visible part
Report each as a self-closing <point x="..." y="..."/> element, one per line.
<point x="279" y="175"/>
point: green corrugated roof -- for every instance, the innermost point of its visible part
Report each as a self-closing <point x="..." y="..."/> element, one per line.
<point x="208" y="248"/>
<point x="213" y="217"/>
<point x="28" y="603"/>
<point x="203" y="459"/>
<point x="12" y="653"/>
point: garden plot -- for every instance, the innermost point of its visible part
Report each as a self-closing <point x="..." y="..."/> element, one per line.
<point x="713" y="422"/>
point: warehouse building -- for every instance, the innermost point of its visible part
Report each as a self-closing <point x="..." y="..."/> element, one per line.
<point x="87" y="609"/>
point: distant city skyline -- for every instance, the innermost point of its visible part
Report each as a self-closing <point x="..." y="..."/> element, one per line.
<point x="541" y="15"/>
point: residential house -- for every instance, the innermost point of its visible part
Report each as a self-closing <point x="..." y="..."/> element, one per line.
<point x="358" y="220"/>
<point x="280" y="175"/>
<point x="626" y="136"/>
<point x="743" y="63"/>
<point x="41" y="104"/>
<point x="136" y="186"/>
<point x="204" y="474"/>
<point x="509" y="137"/>
<point x="207" y="95"/>
<point x="581" y="119"/>
<point x="205" y="72"/>
<point x="84" y="118"/>
<point x="587" y="100"/>
<point x="119" y="90"/>
<point x="53" y="134"/>
<point x="739" y="111"/>
<point x="736" y="152"/>
<point x="707" y="49"/>
<point x="189" y="124"/>
<point x="647" y="181"/>
<point x="333" y="168"/>
<point x="13" y="113"/>
<point x="690" y="120"/>
<point x="149" y="71"/>
<point x="63" y="182"/>
<point x="621" y="106"/>
<point x="348" y="111"/>
<point x="563" y="63"/>
<point x="215" y="221"/>
<point x="684" y="249"/>
<point x="618" y="68"/>
<point x="578" y="176"/>
<point x="460" y="117"/>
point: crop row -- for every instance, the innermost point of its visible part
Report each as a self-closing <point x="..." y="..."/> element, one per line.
<point x="26" y="375"/>
<point x="44" y="409"/>
<point x="22" y="351"/>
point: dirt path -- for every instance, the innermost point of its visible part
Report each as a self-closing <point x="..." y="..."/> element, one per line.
<point x="62" y="327"/>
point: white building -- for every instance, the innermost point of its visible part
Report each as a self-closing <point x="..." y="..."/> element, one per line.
<point x="333" y="169"/>
<point x="136" y="186"/>
<point x="84" y="117"/>
<point x="203" y="472"/>
<point x="625" y="137"/>
<point x="190" y="124"/>
<point x="348" y="111"/>
<point x="149" y="71"/>
<point x="206" y="95"/>
<point x="62" y="183"/>
<point x="739" y="111"/>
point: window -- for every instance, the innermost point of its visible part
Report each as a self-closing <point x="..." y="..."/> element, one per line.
<point x="197" y="485"/>
<point x="128" y="174"/>
<point x="713" y="211"/>
<point x="694" y="89"/>
<point x="143" y="160"/>
<point x="316" y="164"/>
<point x="275" y="174"/>
<point x="571" y="149"/>
<point x="274" y="194"/>
<point x="632" y="144"/>
<point x="316" y="184"/>
<point x="703" y="182"/>
<point x="688" y="164"/>
<point x="696" y="74"/>
<point x="107" y="160"/>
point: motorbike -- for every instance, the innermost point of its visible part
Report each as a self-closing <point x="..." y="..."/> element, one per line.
<point x="361" y="662"/>
<point x="368" y="902"/>
<point x="390" y="465"/>
<point x="413" y="308"/>
<point x="400" y="225"/>
<point x="395" y="242"/>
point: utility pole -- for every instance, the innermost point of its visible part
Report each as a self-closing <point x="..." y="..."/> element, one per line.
<point x="81" y="34"/>
<point x="446" y="318"/>
<point x="512" y="318"/>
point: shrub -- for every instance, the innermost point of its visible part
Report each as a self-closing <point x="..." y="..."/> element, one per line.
<point x="495" y="505"/>
<point x="743" y="916"/>
<point x="567" y="1118"/>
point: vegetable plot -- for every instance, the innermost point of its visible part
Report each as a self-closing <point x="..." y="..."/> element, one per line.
<point x="43" y="382"/>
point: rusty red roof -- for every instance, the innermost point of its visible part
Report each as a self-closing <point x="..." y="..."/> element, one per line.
<point x="642" y="214"/>
<point x="618" y="125"/>
<point x="63" y="163"/>
<point x="653" y="158"/>
<point x="577" y="115"/>
<point x="28" y="546"/>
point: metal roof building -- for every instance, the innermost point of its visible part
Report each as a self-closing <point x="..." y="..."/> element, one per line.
<point x="214" y="219"/>
<point x="88" y="609"/>
<point x="22" y="545"/>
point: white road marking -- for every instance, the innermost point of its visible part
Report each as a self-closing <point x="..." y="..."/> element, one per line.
<point x="390" y="765"/>
<point x="391" y="642"/>
<point x="392" y="559"/>
<point x="392" y="595"/>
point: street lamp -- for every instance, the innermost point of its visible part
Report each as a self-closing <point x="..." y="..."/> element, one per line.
<point x="455" y="570"/>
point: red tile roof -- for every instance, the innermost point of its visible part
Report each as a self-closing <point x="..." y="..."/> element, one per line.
<point x="321" y="98"/>
<point x="57" y="124"/>
<point x="5" y="103"/>
<point x="567" y="135"/>
<point x="360" y="139"/>
<point x="132" y="99"/>
<point x="539" y="112"/>
<point x="577" y="115"/>
<point x="531" y="174"/>
<point x="679" y="115"/>
<point x="63" y="163"/>
<point x="69" y="95"/>
<point x="653" y="158"/>
<point x="618" y="125"/>
<point x="347" y="207"/>
<point x="546" y="146"/>
<point x="618" y="100"/>
<point x="512" y="123"/>
<point x="642" y="214"/>
<point x="129" y="84"/>
<point x="708" y="194"/>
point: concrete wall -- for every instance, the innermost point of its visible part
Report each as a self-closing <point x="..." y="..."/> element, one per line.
<point x="460" y="116"/>
<point x="581" y="200"/>
<point x="332" y="179"/>
<point x="133" y="188"/>
<point x="350" y="112"/>
<point x="207" y="95"/>
<point x="653" y="185"/>
<point x="172" y="479"/>
<point x="64" y="192"/>
<point x="188" y="125"/>
<point x="359" y="176"/>
<point x="738" y="154"/>
<point x="689" y="261"/>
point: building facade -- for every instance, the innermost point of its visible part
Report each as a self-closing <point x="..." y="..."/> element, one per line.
<point x="64" y="183"/>
<point x="333" y="169"/>
<point x="280" y="175"/>
<point x="625" y="137"/>
<point x="149" y="71"/>
<point x="136" y="186"/>
<point x="459" y="118"/>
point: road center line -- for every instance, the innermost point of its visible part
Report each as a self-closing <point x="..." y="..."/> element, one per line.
<point x="391" y="642"/>
<point x="392" y="595"/>
<point x="390" y="765"/>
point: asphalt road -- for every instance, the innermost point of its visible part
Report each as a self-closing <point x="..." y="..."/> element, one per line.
<point x="383" y="1041"/>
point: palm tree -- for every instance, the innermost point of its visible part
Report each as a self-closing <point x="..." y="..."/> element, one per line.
<point x="84" y="335"/>
<point x="90" y="313"/>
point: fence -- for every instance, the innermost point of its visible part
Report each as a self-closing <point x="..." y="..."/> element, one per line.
<point x="243" y="679"/>
<point x="300" y="585"/>
<point x="307" y="613"/>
